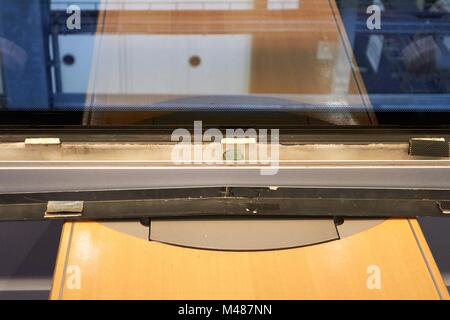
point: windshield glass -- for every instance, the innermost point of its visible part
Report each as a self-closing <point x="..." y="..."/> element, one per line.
<point x="226" y="62"/>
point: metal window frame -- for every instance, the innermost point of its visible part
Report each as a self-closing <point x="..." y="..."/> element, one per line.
<point x="416" y="187"/>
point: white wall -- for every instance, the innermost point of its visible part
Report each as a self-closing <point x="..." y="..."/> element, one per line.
<point x="157" y="64"/>
<point x="156" y="4"/>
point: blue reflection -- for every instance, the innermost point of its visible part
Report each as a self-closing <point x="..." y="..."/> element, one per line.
<point x="24" y="59"/>
<point x="406" y="63"/>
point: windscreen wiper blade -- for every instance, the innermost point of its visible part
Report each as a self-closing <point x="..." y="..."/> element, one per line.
<point x="225" y="202"/>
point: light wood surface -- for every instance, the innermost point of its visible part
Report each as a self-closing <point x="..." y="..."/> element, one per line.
<point x="114" y="265"/>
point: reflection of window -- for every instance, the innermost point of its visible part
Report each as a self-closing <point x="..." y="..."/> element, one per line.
<point x="84" y="4"/>
<point x="163" y="5"/>
<point x="283" y="4"/>
<point x="1" y="76"/>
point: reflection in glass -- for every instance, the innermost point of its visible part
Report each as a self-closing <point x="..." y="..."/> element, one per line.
<point x="311" y="58"/>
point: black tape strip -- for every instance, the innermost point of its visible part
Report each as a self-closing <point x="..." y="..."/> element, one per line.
<point x="429" y="147"/>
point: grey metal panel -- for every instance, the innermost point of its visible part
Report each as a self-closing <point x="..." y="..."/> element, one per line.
<point x="27" y="258"/>
<point x="67" y="178"/>
<point x="243" y="234"/>
<point x="436" y="231"/>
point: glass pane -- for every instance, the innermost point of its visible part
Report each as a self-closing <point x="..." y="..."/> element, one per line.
<point x="225" y="62"/>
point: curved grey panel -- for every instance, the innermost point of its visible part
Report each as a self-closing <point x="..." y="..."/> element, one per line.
<point x="243" y="234"/>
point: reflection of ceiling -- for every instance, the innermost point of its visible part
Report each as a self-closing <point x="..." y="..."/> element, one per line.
<point x="171" y="5"/>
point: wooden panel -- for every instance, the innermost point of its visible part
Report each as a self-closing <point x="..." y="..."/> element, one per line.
<point x="312" y="14"/>
<point x="287" y="63"/>
<point x="116" y="265"/>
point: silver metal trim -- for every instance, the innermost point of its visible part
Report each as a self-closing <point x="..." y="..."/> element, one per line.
<point x="54" y="177"/>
